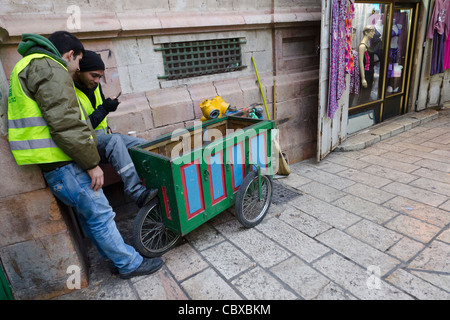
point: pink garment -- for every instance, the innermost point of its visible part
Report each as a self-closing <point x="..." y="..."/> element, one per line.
<point x="337" y="56"/>
<point x="349" y="60"/>
<point x="447" y="44"/>
<point x="447" y="54"/>
<point x="439" y="19"/>
<point x="355" y="77"/>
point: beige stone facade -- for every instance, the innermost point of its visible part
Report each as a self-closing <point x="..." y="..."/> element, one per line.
<point x="281" y="35"/>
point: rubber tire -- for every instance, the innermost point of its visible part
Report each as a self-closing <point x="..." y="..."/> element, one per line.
<point x="240" y="198"/>
<point x="151" y="252"/>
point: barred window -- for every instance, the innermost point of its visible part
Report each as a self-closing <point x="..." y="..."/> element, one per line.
<point x="198" y="58"/>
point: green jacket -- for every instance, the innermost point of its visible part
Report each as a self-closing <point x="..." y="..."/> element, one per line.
<point x="51" y="86"/>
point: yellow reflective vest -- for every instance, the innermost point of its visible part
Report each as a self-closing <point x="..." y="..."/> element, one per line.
<point x="87" y="105"/>
<point x="28" y="133"/>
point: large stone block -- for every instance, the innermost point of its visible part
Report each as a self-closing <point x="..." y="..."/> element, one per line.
<point x="286" y="88"/>
<point x="133" y="114"/>
<point x="17" y="179"/>
<point x="40" y="269"/>
<point x="250" y="91"/>
<point x="36" y="247"/>
<point x="289" y="109"/>
<point x="200" y="92"/>
<point x="144" y="77"/>
<point x="158" y="132"/>
<point x="230" y="91"/>
<point x="29" y="216"/>
<point x="127" y="52"/>
<point x="170" y="106"/>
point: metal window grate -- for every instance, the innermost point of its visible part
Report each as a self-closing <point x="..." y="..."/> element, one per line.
<point x="198" y="58"/>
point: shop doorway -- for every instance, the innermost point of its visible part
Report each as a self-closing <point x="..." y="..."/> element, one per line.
<point x="385" y="57"/>
<point x="382" y="42"/>
<point x="400" y="57"/>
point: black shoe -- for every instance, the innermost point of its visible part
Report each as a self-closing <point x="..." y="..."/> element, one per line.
<point x="146" y="197"/>
<point x="113" y="270"/>
<point x="148" y="266"/>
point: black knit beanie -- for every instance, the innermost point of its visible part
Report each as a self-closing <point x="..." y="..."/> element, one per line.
<point x="91" y="62"/>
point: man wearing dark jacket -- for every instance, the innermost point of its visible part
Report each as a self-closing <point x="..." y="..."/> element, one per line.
<point x="48" y="127"/>
<point x="112" y="147"/>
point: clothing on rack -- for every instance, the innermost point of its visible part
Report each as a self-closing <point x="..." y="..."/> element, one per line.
<point x="447" y="53"/>
<point x="394" y="57"/>
<point x="437" y="57"/>
<point x="377" y="43"/>
<point x="439" y="19"/>
<point x="349" y="58"/>
<point x="355" y="78"/>
<point x="438" y="30"/>
<point x="447" y="43"/>
<point x="339" y="52"/>
<point x="397" y="31"/>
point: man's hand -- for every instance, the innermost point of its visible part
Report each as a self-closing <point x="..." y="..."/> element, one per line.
<point x="110" y="105"/>
<point x="97" y="178"/>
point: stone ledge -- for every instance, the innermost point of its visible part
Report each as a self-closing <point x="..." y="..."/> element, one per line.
<point x="112" y="25"/>
<point x="385" y="130"/>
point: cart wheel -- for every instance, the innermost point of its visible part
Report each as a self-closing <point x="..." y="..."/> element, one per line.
<point x="250" y="211"/>
<point x="150" y="236"/>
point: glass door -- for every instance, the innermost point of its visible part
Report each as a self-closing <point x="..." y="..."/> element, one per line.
<point x="367" y="81"/>
<point x="398" y="61"/>
<point x="383" y="38"/>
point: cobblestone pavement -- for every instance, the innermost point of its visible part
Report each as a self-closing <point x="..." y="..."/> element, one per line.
<point x="366" y="224"/>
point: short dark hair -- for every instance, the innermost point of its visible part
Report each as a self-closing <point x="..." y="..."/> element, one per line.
<point x="65" y="41"/>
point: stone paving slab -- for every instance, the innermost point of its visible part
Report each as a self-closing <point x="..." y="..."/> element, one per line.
<point x="369" y="224"/>
<point x="387" y="129"/>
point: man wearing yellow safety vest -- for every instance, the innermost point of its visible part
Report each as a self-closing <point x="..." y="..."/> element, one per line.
<point x="112" y="147"/>
<point x="48" y="127"/>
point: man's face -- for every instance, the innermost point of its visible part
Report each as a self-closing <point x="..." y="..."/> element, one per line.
<point x="73" y="62"/>
<point x="90" y="78"/>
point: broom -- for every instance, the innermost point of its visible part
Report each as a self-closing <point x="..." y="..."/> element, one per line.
<point x="283" y="167"/>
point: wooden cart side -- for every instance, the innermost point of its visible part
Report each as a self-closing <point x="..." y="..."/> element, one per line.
<point x="156" y="170"/>
<point x="257" y="140"/>
<point x="194" y="187"/>
<point x="201" y="188"/>
<point x="205" y="189"/>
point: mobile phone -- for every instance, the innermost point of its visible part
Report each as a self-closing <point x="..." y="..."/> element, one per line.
<point x="118" y="95"/>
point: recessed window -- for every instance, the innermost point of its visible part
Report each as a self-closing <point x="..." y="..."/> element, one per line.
<point x="198" y="58"/>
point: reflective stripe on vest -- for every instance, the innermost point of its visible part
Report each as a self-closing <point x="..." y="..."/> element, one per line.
<point x="28" y="133"/>
<point x="87" y="105"/>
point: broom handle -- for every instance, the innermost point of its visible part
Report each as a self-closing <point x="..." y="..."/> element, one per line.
<point x="261" y="89"/>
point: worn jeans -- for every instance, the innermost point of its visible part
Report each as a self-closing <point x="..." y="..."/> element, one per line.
<point x="71" y="185"/>
<point x="113" y="148"/>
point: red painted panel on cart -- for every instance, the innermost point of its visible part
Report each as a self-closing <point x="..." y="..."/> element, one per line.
<point x="192" y="187"/>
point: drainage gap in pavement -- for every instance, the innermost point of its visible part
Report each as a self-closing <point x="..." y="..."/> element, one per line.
<point x="282" y="194"/>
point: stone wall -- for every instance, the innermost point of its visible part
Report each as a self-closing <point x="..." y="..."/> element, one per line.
<point x="282" y="36"/>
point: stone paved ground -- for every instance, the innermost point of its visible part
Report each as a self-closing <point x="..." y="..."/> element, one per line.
<point x="369" y="224"/>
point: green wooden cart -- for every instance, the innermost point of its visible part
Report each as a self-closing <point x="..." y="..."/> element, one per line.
<point x="200" y="172"/>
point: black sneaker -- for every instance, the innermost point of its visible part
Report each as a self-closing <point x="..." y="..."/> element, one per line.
<point x="146" y="197"/>
<point x="148" y="266"/>
<point x="113" y="270"/>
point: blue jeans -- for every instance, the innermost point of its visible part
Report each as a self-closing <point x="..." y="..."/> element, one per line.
<point x="113" y="148"/>
<point x="71" y="185"/>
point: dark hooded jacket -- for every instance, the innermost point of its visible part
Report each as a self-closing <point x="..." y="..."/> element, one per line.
<point x="51" y="86"/>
